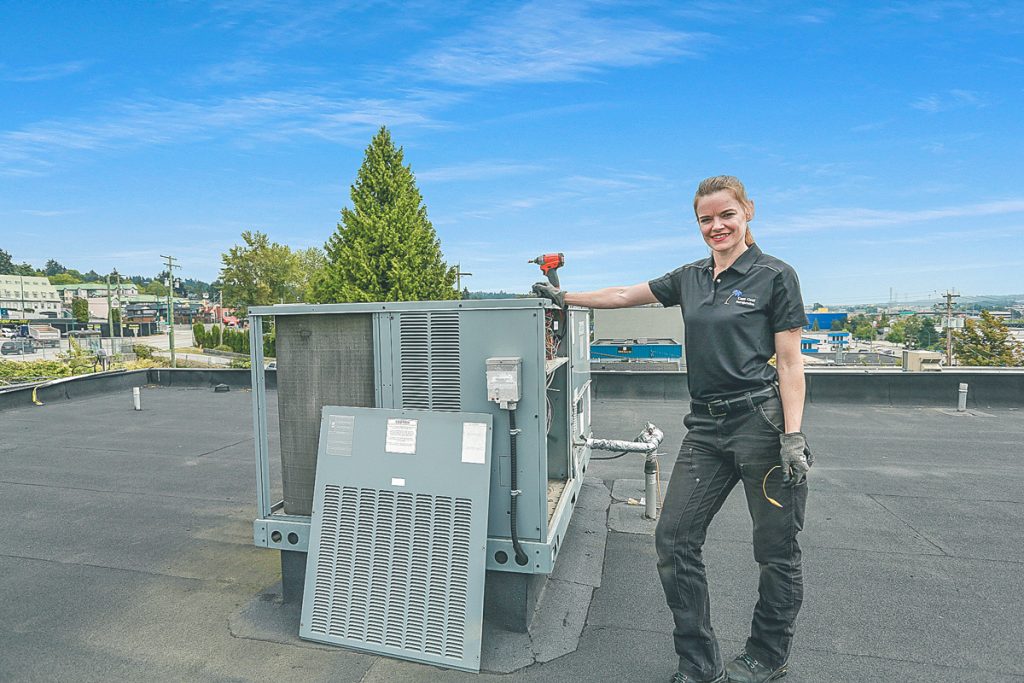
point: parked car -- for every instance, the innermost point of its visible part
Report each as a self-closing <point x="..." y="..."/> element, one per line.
<point x="7" y="332"/>
<point x="17" y="346"/>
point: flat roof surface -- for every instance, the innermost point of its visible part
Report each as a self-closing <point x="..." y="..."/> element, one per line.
<point x="128" y="555"/>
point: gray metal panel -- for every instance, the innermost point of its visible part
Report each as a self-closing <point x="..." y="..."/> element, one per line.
<point x="398" y="306"/>
<point x="321" y="360"/>
<point x="398" y="540"/>
<point x="428" y="360"/>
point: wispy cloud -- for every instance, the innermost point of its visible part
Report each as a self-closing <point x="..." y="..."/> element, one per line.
<point x="476" y="170"/>
<point x="624" y="182"/>
<point x="840" y="218"/>
<point x="953" y="99"/>
<point x="274" y="115"/>
<point x="46" y="72"/>
<point x="235" y="71"/>
<point x="550" y="42"/>
<point x="568" y="190"/>
<point x="49" y="213"/>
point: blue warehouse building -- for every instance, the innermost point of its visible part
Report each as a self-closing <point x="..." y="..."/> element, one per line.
<point x="824" y="320"/>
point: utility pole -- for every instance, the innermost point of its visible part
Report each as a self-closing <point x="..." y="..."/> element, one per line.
<point x="110" y="314"/>
<point x="170" y="303"/>
<point x="949" y="327"/>
<point x="120" y="312"/>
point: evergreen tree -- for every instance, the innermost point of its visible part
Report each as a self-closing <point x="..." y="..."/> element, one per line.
<point x="384" y="248"/>
<point x="80" y="310"/>
<point x="986" y="342"/>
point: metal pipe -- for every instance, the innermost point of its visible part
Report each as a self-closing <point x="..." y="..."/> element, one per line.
<point x="646" y="442"/>
<point x="620" y="446"/>
<point x="651" y="492"/>
<point x="961" y="403"/>
<point x="137" y="398"/>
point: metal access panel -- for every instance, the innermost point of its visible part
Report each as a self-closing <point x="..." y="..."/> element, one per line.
<point x="322" y="361"/>
<point x="437" y="360"/>
<point x="398" y="534"/>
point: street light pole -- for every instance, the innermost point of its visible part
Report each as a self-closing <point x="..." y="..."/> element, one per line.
<point x="458" y="278"/>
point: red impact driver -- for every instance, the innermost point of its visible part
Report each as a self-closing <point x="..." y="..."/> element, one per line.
<point x="549" y="265"/>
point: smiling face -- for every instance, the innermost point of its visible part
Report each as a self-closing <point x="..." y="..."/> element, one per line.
<point x="723" y="223"/>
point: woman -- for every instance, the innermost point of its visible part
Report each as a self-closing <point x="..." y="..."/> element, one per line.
<point x="740" y="307"/>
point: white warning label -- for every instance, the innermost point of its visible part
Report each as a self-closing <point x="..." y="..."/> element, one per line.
<point x="474" y="442"/>
<point x="401" y="436"/>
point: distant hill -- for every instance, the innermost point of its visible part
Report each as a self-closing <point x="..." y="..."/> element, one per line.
<point x="964" y="302"/>
<point x="491" y="295"/>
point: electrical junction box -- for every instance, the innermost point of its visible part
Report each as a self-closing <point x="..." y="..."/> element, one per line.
<point x="503" y="378"/>
<point x="433" y="355"/>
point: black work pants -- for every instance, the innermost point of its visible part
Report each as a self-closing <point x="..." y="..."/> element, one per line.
<point x="717" y="452"/>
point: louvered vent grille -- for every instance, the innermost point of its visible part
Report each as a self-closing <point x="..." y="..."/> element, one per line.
<point x="393" y="570"/>
<point x="431" y="372"/>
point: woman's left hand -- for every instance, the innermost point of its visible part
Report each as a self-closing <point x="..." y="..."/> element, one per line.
<point x="796" y="458"/>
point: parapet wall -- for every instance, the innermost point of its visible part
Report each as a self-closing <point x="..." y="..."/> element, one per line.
<point x="84" y="386"/>
<point x="986" y="389"/>
<point x="1004" y="389"/>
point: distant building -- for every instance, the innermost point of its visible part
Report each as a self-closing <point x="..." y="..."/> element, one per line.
<point x="646" y="334"/>
<point x="824" y="320"/>
<point x="28" y="296"/>
<point x="809" y="345"/>
<point x="95" y="290"/>
<point x="839" y="338"/>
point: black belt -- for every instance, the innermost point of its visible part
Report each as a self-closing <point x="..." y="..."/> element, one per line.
<point x="724" y="406"/>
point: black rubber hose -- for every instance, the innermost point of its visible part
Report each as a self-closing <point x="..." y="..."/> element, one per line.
<point x="521" y="558"/>
<point x="613" y="457"/>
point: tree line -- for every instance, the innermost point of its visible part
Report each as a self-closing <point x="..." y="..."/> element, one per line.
<point x="58" y="274"/>
<point x="985" y="341"/>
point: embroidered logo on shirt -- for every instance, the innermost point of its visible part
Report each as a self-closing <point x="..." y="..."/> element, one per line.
<point x="745" y="301"/>
<point x="735" y="293"/>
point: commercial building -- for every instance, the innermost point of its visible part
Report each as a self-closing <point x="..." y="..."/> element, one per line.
<point x="96" y="290"/>
<point x="28" y="296"/>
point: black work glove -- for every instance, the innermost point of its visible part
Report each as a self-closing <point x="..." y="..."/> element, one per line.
<point x="795" y="458"/>
<point x="548" y="291"/>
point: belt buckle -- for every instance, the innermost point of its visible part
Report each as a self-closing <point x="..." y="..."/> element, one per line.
<point x="712" y="405"/>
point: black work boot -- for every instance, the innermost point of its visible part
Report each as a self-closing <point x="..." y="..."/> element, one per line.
<point x="746" y="669"/>
<point x="683" y="678"/>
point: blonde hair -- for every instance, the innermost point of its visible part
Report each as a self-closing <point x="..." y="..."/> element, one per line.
<point x="717" y="183"/>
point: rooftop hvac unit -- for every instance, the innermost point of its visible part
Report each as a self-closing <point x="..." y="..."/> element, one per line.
<point x="433" y="356"/>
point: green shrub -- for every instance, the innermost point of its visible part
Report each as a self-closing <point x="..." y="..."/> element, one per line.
<point x="142" y="351"/>
<point x="222" y="347"/>
<point x="240" y="363"/>
<point x="199" y="334"/>
<point x="18" y="372"/>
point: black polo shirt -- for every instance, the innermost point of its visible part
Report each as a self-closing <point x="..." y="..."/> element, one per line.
<point x="730" y="321"/>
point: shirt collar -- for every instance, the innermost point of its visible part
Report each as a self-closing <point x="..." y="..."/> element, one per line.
<point x="740" y="265"/>
<point x="746" y="259"/>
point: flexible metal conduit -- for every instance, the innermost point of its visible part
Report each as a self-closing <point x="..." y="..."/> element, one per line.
<point x="521" y="557"/>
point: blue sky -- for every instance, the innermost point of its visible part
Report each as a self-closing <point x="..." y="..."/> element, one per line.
<point x="881" y="143"/>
